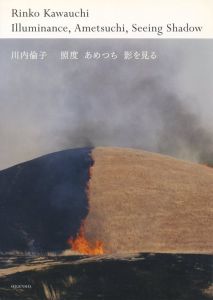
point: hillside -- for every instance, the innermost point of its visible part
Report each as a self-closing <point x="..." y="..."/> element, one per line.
<point x="43" y="201"/>
<point x="138" y="202"/>
<point x="146" y="202"/>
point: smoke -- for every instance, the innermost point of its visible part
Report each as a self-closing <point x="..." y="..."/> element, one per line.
<point x="162" y="105"/>
<point x="182" y="134"/>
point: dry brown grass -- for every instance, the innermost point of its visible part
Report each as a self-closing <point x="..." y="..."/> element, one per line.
<point x="209" y="291"/>
<point x="146" y="202"/>
<point x="50" y="293"/>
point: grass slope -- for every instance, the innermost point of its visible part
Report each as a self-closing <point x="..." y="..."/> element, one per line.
<point x="146" y="202"/>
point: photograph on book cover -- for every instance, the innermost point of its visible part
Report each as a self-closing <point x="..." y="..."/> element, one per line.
<point x="106" y="157"/>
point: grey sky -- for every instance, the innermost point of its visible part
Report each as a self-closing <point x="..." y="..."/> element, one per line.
<point x="164" y="105"/>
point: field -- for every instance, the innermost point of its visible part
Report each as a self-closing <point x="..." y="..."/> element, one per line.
<point x="145" y="202"/>
<point x="153" y="213"/>
<point x="112" y="277"/>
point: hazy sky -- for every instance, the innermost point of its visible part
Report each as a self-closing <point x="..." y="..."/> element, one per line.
<point x="164" y="105"/>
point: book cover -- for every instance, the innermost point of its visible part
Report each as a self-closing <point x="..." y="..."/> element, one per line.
<point x="106" y="150"/>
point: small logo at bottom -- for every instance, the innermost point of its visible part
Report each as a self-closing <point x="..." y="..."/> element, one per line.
<point x="21" y="286"/>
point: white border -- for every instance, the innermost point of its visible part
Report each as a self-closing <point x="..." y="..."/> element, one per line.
<point x="141" y="12"/>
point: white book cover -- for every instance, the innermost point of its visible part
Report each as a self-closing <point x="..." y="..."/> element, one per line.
<point x="106" y="150"/>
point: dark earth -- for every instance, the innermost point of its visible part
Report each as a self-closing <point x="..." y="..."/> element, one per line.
<point x="132" y="277"/>
<point x="43" y="201"/>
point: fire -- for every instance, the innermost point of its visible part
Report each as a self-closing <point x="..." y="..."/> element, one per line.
<point x="81" y="245"/>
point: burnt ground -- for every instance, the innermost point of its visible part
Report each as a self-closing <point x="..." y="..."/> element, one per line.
<point x="43" y="201"/>
<point x="131" y="277"/>
<point x="139" y="202"/>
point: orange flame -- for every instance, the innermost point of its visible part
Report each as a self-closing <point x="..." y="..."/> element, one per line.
<point x="81" y="245"/>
